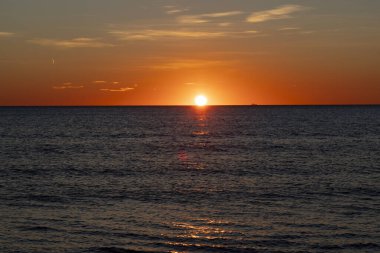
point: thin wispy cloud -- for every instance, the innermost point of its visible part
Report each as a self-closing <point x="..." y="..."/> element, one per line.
<point x="164" y="34"/>
<point x="171" y="9"/>
<point x="249" y="32"/>
<point x="204" y="18"/>
<point x="72" y="43"/>
<point x="6" y="34"/>
<point x="125" y="89"/>
<point x="105" y="82"/>
<point x="294" y="30"/>
<point x="68" y="85"/>
<point x="184" y="34"/>
<point x="185" y="64"/>
<point x="224" y="24"/>
<point x="289" y="29"/>
<point x="273" y="14"/>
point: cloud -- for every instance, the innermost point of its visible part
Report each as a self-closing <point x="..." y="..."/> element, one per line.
<point x="118" y="90"/>
<point x="171" y="9"/>
<point x="160" y="34"/>
<point x="192" y="84"/>
<point x="72" y="43"/>
<point x="204" y="18"/>
<point x="68" y="85"/>
<point x="103" y="82"/>
<point x="295" y="30"/>
<point x="289" y="29"/>
<point x="250" y="32"/>
<point x="225" y="24"/>
<point x="277" y="13"/>
<point x="6" y="34"/>
<point x="182" y="64"/>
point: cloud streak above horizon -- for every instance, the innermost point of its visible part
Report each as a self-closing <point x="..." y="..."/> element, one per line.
<point x="125" y="89"/>
<point x="205" y="18"/>
<point x="281" y="12"/>
<point x="159" y="34"/>
<point x="6" y="34"/>
<point x="188" y="64"/>
<point x="71" y="43"/>
<point x="171" y="9"/>
<point x="69" y="85"/>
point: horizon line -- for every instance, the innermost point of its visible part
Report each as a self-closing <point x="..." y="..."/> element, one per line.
<point x="230" y="105"/>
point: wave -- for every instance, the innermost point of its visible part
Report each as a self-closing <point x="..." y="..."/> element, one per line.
<point x="117" y="250"/>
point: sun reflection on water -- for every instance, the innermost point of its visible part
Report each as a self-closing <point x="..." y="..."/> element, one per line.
<point x="193" y="149"/>
<point x="203" y="231"/>
<point x="199" y="133"/>
<point x="197" y="232"/>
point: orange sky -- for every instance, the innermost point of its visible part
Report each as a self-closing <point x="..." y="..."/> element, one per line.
<point x="166" y="52"/>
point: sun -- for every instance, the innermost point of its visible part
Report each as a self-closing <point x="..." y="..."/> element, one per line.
<point x="200" y="100"/>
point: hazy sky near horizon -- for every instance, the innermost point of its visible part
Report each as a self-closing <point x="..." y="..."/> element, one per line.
<point x="162" y="52"/>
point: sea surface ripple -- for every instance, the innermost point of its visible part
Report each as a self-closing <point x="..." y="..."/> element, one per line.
<point x="186" y="179"/>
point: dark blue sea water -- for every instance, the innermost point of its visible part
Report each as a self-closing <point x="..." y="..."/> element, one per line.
<point x="184" y="179"/>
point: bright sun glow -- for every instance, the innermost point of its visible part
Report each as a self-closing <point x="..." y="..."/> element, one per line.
<point x="200" y="100"/>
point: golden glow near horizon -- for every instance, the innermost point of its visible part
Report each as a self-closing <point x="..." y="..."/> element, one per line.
<point x="200" y="100"/>
<point x="158" y="52"/>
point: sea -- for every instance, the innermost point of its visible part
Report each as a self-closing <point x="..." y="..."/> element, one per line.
<point x="189" y="179"/>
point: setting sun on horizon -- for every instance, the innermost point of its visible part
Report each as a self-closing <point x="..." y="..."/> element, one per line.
<point x="200" y="100"/>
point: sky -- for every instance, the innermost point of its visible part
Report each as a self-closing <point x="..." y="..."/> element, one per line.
<point x="165" y="52"/>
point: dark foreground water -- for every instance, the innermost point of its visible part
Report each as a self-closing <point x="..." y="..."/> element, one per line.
<point x="182" y="179"/>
